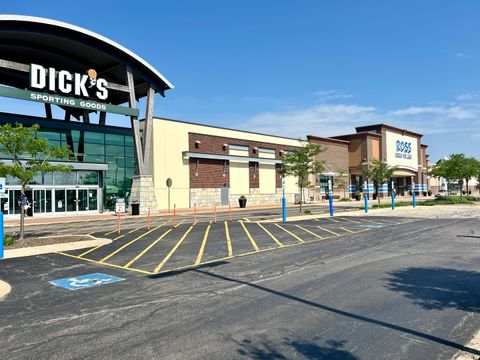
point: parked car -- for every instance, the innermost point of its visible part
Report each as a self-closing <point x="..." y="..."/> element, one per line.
<point x="441" y="194"/>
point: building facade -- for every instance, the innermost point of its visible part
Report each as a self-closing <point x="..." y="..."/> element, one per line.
<point x="398" y="147"/>
<point x="211" y="165"/>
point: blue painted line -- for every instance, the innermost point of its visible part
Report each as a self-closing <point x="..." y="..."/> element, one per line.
<point x="85" y="281"/>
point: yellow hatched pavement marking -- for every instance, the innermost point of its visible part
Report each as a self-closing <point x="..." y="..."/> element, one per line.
<point x="330" y="231"/>
<point x="129" y="243"/>
<point x="110" y="232"/>
<point x="177" y="225"/>
<point x="159" y="267"/>
<point x="347" y="230"/>
<point x="310" y="232"/>
<point x="333" y="219"/>
<point x="289" y="232"/>
<point x="99" y="246"/>
<point x="271" y="235"/>
<point x="229" y="241"/>
<point x="144" y="251"/>
<point x="254" y="244"/>
<point x="202" y="247"/>
<point x="106" y="264"/>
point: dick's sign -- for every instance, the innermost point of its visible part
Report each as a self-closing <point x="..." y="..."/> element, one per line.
<point x="63" y="88"/>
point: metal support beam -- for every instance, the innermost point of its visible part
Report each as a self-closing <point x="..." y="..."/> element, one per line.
<point x="103" y="117"/>
<point x="148" y="130"/>
<point x="48" y="111"/>
<point x="86" y="117"/>
<point x="135" y="123"/>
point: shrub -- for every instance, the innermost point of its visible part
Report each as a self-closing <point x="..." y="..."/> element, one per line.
<point x="345" y="199"/>
<point x="8" y="240"/>
<point x="307" y="212"/>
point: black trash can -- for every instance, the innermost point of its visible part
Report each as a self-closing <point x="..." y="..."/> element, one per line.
<point x="135" y="208"/>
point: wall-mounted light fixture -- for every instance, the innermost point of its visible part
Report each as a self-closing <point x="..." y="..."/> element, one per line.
<point x="225" y="146"/>
<point x="255" y="150"/>
<point x="197" y="144"/>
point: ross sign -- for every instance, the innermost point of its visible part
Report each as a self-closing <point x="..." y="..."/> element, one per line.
<point x="402" y="150"/>
<point x="85" y="281"/>
<point x="2" y="185"/>
<point x="66" y="101"/>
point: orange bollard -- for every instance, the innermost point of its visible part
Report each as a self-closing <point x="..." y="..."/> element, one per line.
<point x="195" y="214"/>
<point x="174" y="214"/>
<point x="118" y="220"/>
<point x="148" y="224"/>
<point x="214" y="214"/>
<point x="229" y="212"/>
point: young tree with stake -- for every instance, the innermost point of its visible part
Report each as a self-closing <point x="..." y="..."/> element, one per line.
<point x="379" y="172"/>
<point x="27" y="157"/>
<point x="301" y="163"/>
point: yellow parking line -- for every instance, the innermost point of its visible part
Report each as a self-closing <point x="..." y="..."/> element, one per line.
<point x="271" y="235"/>
<point x="202" y="247"/>
<point x="353" y="221"/>
<point x="131" y="231"/>
<point x="106" y="264"/>
<point x="99" y="246"/>
<point x="310" y="232"/>
<point x="144" y="251"/>
<point x="177" y="225"/>
<point x="111" y="232"/>
<point x="229" y="241"/>
<point x="333" y="219"/>
<point x="129" y="243"/>
<point x="330" y="231"/>
<point x="347" y="230"/>
<point x="254" y="244"/>
<point x="159" y="267"/>
<point x="289" y="232"/>
<point x="381" y="221"/>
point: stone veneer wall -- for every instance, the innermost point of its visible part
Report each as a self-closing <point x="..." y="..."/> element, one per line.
<point x="207" y="197"/>
<point x="143" y="191"/>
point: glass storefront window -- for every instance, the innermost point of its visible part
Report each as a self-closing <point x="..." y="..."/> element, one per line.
<point x="65" y="178"/>
<point x="324" y="183"/>
<point x="92" y="137"/>
<point x="114" y="139"/>
<point x="87" y="177"/>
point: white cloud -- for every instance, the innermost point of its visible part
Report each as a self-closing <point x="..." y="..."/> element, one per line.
<point x="332" y="119"/>
<point x="326" y="95"/>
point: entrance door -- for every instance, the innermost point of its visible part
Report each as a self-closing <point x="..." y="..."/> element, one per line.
<point x="71" y="199"/>
<point x="82" y="200"/>
<point x="92" y="199"/>
<point x="38" y="201"/>
<point x="224" y="195"/>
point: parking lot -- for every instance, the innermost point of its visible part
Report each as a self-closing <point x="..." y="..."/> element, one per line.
<point x="165" y="248"/>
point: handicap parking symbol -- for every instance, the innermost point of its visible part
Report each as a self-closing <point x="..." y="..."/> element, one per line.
<point x="85" y="281"/>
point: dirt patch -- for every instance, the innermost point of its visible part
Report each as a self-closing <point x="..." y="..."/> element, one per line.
<point x="47" y="240"/>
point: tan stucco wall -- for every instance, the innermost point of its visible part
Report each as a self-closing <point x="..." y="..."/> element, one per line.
<point x="170" y="139"/>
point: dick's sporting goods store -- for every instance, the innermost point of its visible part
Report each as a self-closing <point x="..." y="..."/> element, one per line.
<point x="83" y="85"/>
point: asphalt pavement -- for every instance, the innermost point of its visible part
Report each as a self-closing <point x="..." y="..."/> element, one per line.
<point x="396" y="291"/>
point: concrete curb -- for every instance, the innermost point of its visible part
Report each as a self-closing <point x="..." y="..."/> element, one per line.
<point x="47" y="249"/>
<point x="4" y="289"/>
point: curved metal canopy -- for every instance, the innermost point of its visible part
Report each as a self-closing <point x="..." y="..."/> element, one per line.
<point x="27" y="39"/>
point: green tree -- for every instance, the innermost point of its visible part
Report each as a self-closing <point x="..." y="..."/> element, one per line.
<point x="301" y="163"/>
<point x="27" y="157"/>
<point x="457" y="167"/>
<point x="342" y="181"/>
<point x="379" y="172"/>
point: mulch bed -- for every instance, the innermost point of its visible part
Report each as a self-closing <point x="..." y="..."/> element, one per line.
<point x="48" y="240"/>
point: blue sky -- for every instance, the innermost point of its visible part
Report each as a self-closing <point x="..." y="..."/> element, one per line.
<point x="297" y="67"/>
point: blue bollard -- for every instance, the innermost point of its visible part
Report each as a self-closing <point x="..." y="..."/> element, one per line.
<point x="365" y="198"/>
<point x="414" y="198"/>
<point x="393" y="201"/>
<point x="284" y="209"/>
<point x="1" y="235"/>
<point x="330" y="201"/>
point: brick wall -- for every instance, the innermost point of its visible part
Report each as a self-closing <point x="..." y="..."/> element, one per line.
<point x="210" y="172"/>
